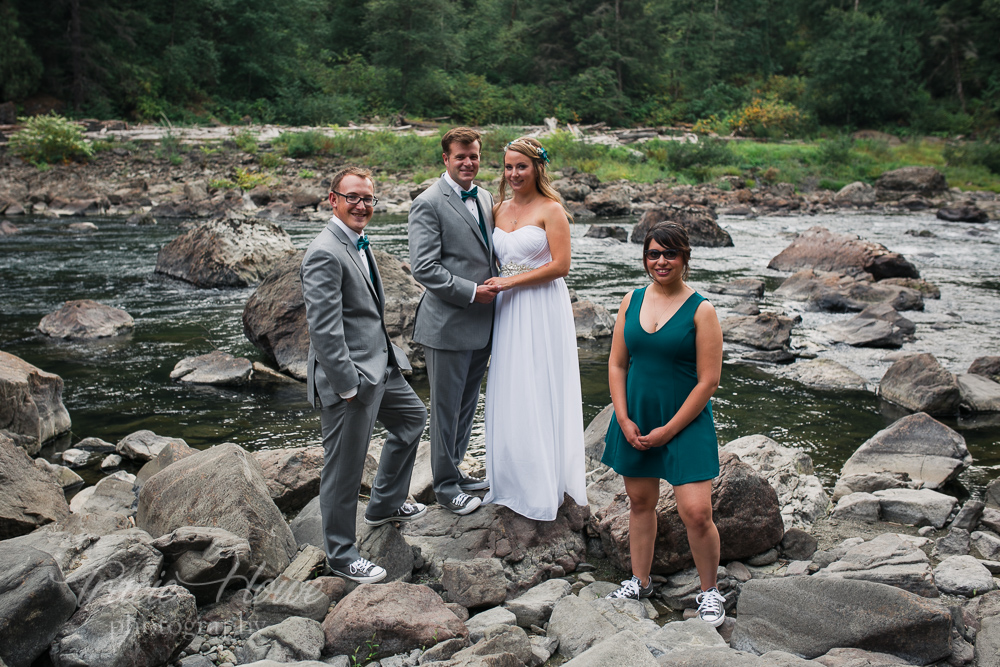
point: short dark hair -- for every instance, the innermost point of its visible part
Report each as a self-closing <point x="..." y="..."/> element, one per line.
<point x="462" y="135"/>
<point x="350" y="171"/>
<point x="669" y="235"/>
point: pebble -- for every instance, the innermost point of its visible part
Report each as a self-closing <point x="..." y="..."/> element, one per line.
<point x="215" y="628"/>
<point x="586" y="578"/>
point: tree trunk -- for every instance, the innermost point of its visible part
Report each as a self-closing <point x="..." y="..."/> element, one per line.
<point x="78" y="88"/>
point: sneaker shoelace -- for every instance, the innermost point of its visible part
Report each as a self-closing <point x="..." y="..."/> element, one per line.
<point x="407" y="508"/>
<point x="710" y="603"/>
<point x="462" y="498"/>
<point x="361" y="566"/>
<point x="628" y="590"/>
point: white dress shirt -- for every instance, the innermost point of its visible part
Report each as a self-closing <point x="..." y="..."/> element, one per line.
<point x="469" y="203"/>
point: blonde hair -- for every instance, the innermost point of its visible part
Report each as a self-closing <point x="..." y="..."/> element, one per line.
<point x="350" y="171"/>
<point x="534" y="151"/>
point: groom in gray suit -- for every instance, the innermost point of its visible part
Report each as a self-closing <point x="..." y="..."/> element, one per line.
<point x="451" y="254"/>
<point x="354" y="378"/>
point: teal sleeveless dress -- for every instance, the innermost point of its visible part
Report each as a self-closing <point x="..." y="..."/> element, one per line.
<point x="662" y="372"/>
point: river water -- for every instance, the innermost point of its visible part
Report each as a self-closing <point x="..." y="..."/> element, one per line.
<point x="114" y="387"/>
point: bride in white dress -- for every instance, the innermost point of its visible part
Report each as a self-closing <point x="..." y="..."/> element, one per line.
<point x="534" y="407"/>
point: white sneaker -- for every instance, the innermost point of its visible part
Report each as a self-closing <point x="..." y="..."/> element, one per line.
<point x="463" y="504"/>
<point x="632" y="589"/>
<point x="362" y="571"/>
<point x="712" y="607"/>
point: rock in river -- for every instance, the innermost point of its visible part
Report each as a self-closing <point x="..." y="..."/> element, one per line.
<point x="216" y="367"/>
<point x="919" y="383"/>
<point x="225" y="253"/>
<point x="29" y="496"/>
<point x="698" y="221"/>
<point x="767" y="331"/>
<point x="820" y="249"/>
<point x="897" y="183"/>
<point x="32" y="410"/>
<point x="85" y="318"/>
<point x="839" y="292"/>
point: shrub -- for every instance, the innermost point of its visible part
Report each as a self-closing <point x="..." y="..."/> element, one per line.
<point x="248" y="180"/>
<point x="302" y="144"/>
<point x="49" y="138"/>
<point x="974" y="154"/>
<point x="271" y="161"/>
<point x="686" y="156"/>
<point x="246" y="141"/>
<point x="766" y="118"/>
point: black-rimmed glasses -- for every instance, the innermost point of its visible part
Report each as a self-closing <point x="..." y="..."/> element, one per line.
<point x="354" y="199"/>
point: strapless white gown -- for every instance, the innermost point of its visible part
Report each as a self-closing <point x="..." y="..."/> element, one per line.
<point x="534" y="407"/>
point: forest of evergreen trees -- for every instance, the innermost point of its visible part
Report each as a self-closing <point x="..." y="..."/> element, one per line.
<point x="754" y="67"/>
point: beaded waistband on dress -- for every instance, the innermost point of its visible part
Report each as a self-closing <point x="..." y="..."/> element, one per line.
<point x="512" y="269"/>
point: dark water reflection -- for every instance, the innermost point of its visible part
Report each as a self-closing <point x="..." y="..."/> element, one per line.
<point x="115" y="387"/>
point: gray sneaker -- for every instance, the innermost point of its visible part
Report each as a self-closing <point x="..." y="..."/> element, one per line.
<point x="408" y="512"/>
<point x="468" y="483"/>
<point x="712" y="607"/>
<point x="462" y="504"/>
<point x="632" y="590"/>
<point x="362" y="571"/>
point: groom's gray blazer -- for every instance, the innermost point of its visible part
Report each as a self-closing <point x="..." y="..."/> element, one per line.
<point x="348" y="344"/>
<point x="449" y="257"/>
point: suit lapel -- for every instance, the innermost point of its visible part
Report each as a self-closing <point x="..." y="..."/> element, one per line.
<point x="352" y="252"/>
<point x="455" y="201"/>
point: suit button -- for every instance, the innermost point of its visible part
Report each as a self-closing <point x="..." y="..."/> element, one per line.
<point x="383" y="349"/>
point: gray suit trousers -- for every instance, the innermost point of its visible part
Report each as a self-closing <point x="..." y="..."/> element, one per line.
<point x="347" y="429"/>
<point x="455" y="377"/>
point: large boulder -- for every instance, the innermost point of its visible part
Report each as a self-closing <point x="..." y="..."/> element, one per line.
<point x="292" y="475"/>
<point x="388" y="619"/>
<point x="142" y="627"/>
<point x="790" y="473"/>
<point x="114" y="563"/>
<point x="274" y="318"/>
<point x="919" y="446"/>
<point x="841" y="292"/>
<point x="897" y="183"/>
<point x="29" y="496"/>
<point x="766" y="331"/>
<point x="915" y="507"/>
<point x="292" y="640"/>
<point x="820" y="249"/>
<point x="988" y="367"/>
<point x="31" y="407"/>
<point x="613" y="199"/>
<point x="920" y="384"/>
<point x="225" y="253"/>
<point x="979" y="393"/>
<point x="893" y="560"/>
<point x="592" y="320"/>
<point x="475" y="583"/>
<point x="216" y="368"/>
<point x="34" y="603"/>
<point x="809" y="616"/>
<point x="221" y="487"/>
<point x="855" y="194"/>
<point x="146" y="446"/>
<point x="531" y="551"/>
<point x="86" y="318"/>
<point x="745" y="510"/>
<point x="878" y="325"/>
<point x="698" y="221"/>
<point x="824" y="374"/>
<point x="204" y="560"/>
<point x="968" y="212"/>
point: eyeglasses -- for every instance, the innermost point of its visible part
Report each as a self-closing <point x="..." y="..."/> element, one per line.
<point x="354" y="199"/>
<point x="669" y="253"/>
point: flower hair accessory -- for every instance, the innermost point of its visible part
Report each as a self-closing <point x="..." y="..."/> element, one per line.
<point x="542" y="153"/>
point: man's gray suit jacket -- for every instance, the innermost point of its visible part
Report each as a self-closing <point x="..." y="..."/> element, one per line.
<point x="449" y="257"/>
<point x="348" y="344"/>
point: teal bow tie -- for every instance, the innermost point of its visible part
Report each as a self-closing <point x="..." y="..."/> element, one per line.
<point x="474" y="193"/>
<point x="363" y="242"/>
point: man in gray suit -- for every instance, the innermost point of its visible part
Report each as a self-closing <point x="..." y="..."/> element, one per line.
<point x="354" y="378"/>
<point x="451" y="254"/>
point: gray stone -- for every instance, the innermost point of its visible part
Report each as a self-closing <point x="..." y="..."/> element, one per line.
<point x="613" y="200"/>
<point x="34" y="603"/>
<point x="500" y="639"/>
<point x="988" y="643"/>
<point x="963" y="575"/>
<point x="679" y="635"/>
<point x="855" y="194"/>
<point x="824" y="374"/>
<point x="870" y="483"/>
<point x="988" y="367"/>
<point x="915" y="507"/>
<point x="443" y="650"/>
<point x="220" y="487"/>
<point x="968" y="517"/>
<point x="797" y="544"/>
<point x="605" y="231"/>
<point x="307" y="526"/>
<point x="65" y="478"/>
<point x="225" y="253"/>
<point x="85" y="319"/>
<point x="174" y="451"/>
<point x="386" y="546"/>
<point x="292" y="475"/>
<point x="956" y="543"/>
<point x="593" y="439"/>
<point x="602" y="491"/>
<point x="919" y="383"/>
<point x="578" y="626"/>
<point x="475" y="583"/>
<point x="891" y="559"/>
<point x="114" y="493"/>
<point x="808" y="616"/>
<point x="205" y="560"/>
<point x="767" y="331"/>
<point x="32" y="411"/>
<point x="751" y="288"/>
<point x="926" y="181"/>
<point x="628" y="615"/>
<point x="111" y="462"/>
<point x="75" y="458"/>
<point x="291" y="640"/>
<point x="986" y="543"/>
<point x="592" y="320"/>
<point x="979" y="393"/>
<point x="114" y="563"/>
<point x="624" y="649"/>
<point x="29" y="496"/>
<point x="917" y="445"/>
<point x="878" y="325"/>
<point x="534" y="606"/>
<point x="144" y="445"/>
<point x="215" y="368"/>
<point x="483" y="621"/>
<point x="819" y="249"/>
<point x="842" y="292"/>
<point x="989" y="519"/>
<point x="135" y="628"/>
<point x="790" y="473"/>
<point x="700" y="223"/>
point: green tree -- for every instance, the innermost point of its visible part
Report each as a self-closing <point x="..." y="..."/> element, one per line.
<point x="20" y="68"/>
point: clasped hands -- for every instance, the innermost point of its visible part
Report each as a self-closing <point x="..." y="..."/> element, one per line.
<point x="488" y="291"/>
<point x="658" y="437"/>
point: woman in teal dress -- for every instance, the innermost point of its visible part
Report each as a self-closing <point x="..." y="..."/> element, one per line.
<point x="665" y="364"/>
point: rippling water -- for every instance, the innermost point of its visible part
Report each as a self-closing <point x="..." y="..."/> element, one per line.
<point x="115" y="387"/>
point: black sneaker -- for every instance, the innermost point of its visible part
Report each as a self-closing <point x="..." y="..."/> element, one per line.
<point x="468" y="483"/>
<point x="408" y="512"/>
<point x="462" y="504"/>
<point x="632" y="590"/>
<point x="362" y="571"/>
